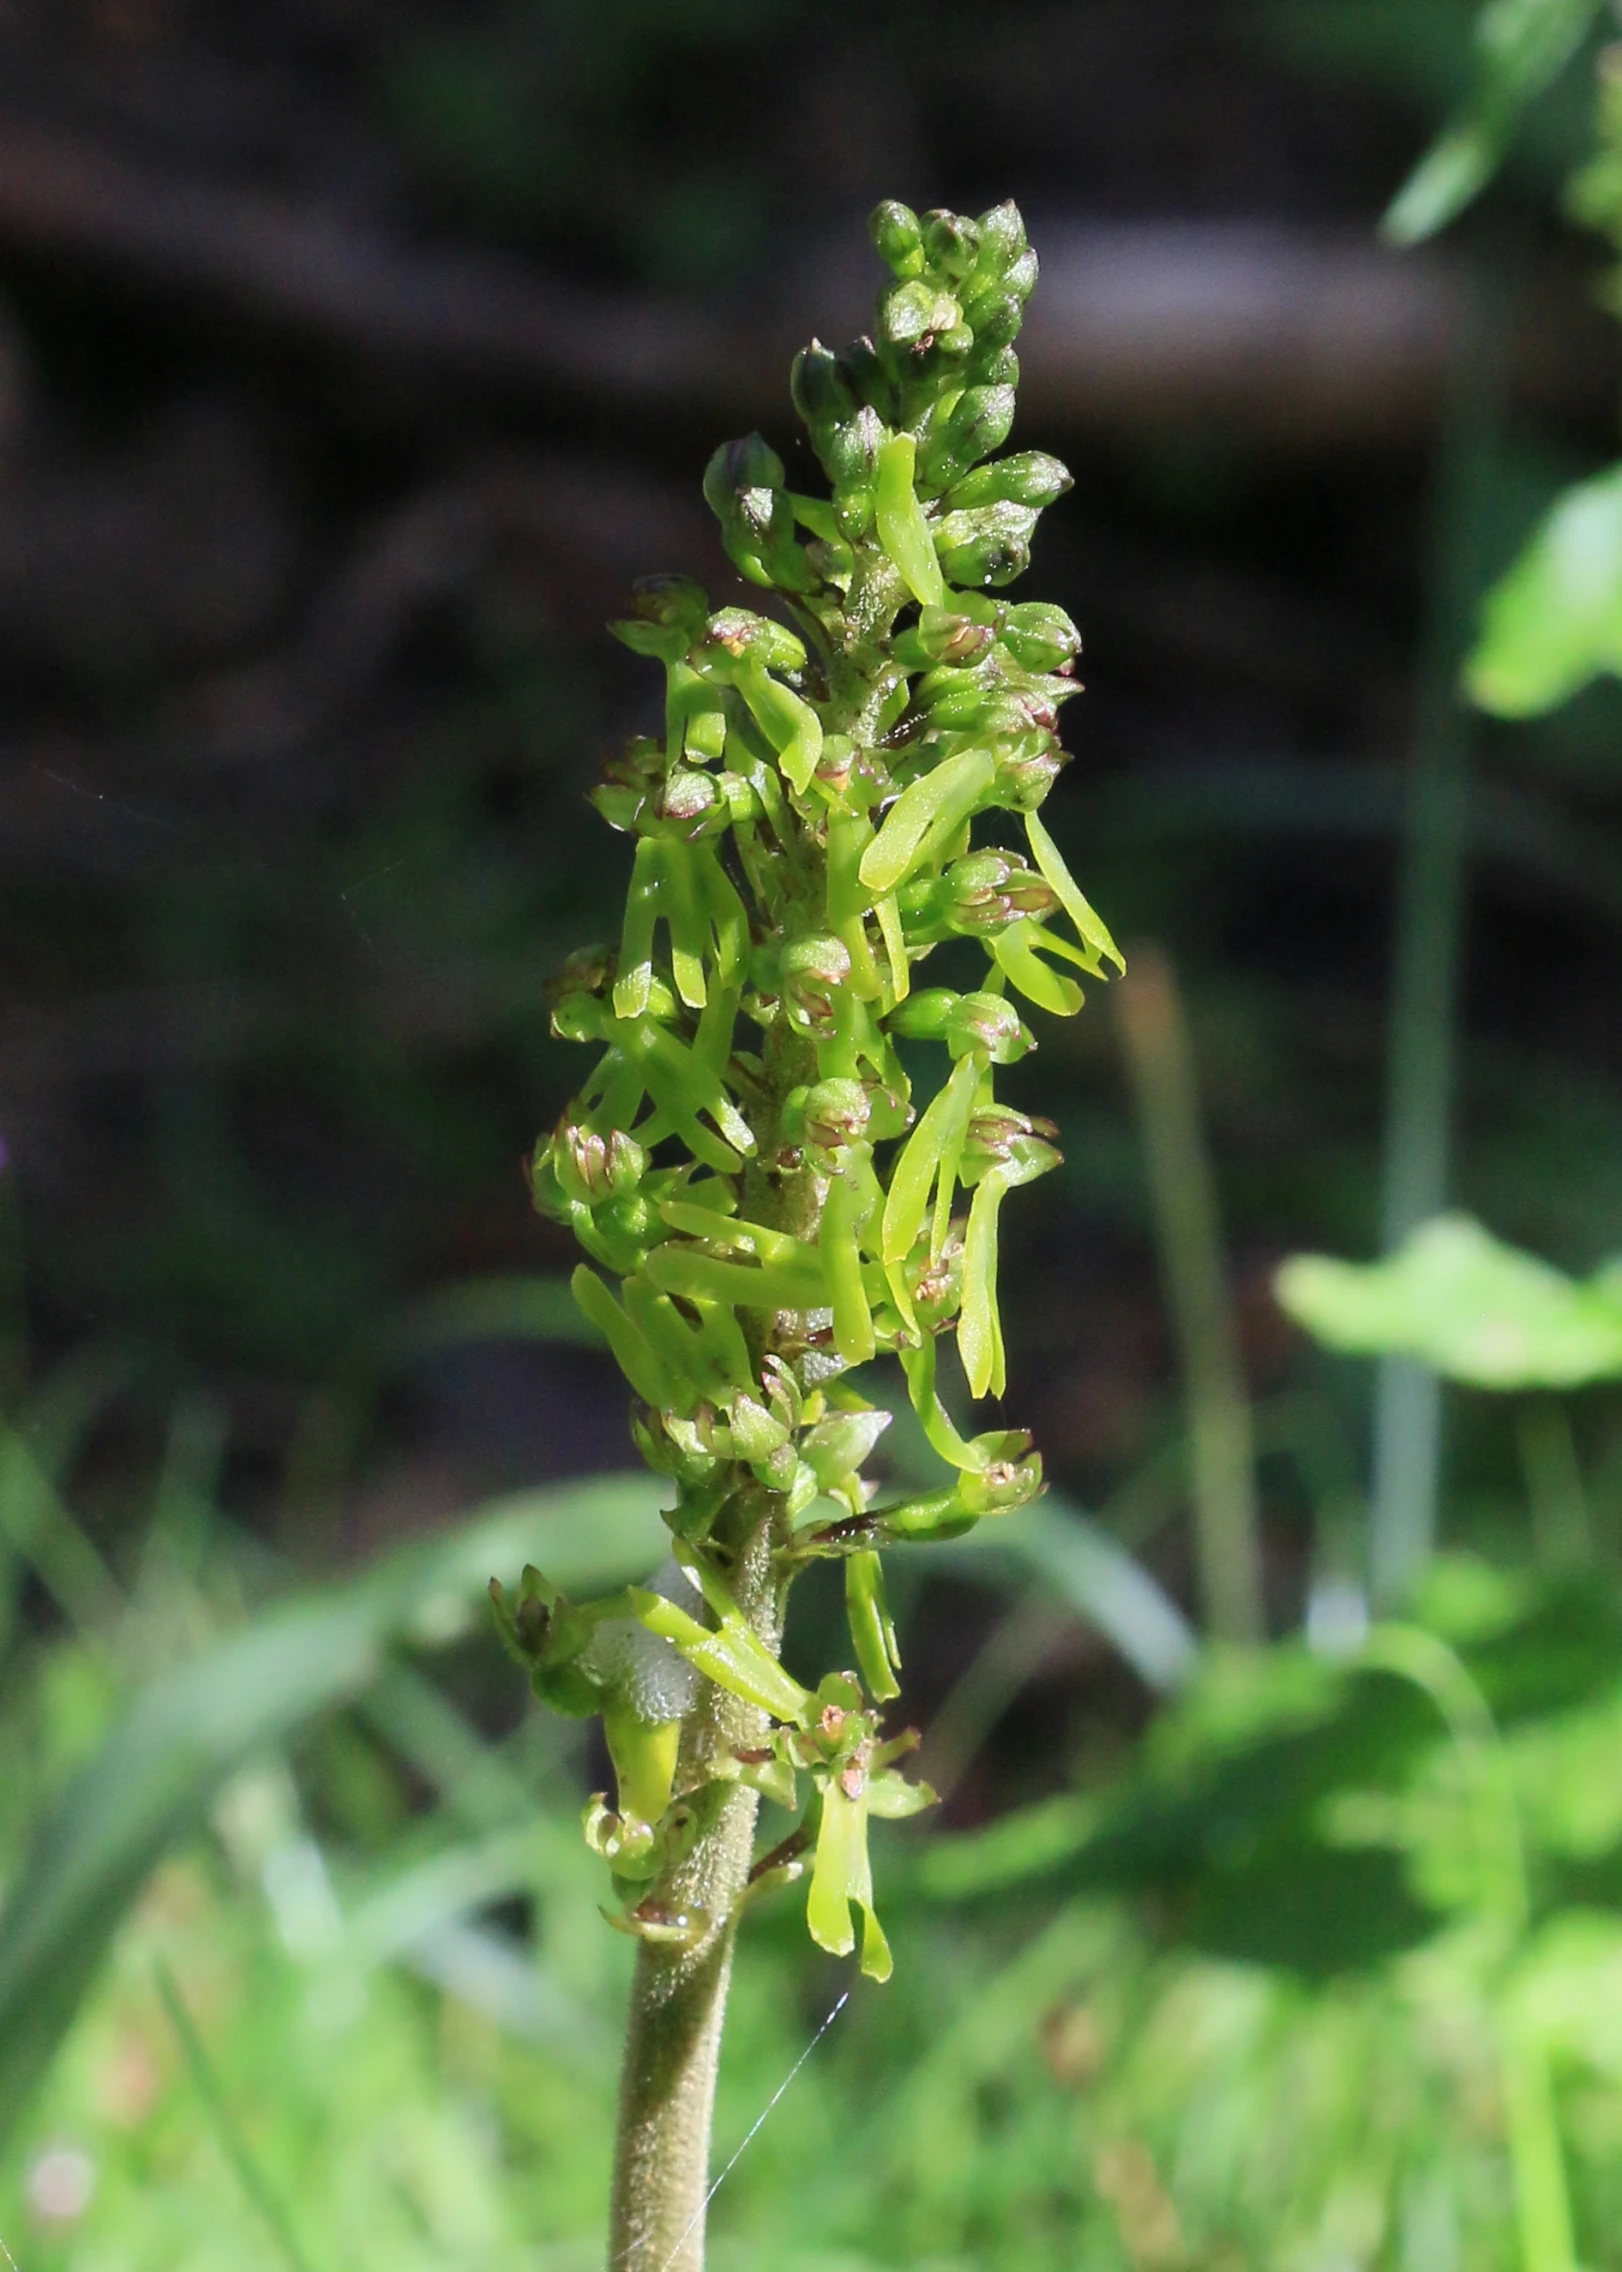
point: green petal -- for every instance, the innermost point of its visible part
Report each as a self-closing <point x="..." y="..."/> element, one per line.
<point x="914" y="1174"/>
<point x="872" y="1630"/>
<point x="1090" y="925"/>
<point x="632" y="1352"/>
<point x="979" y="1333"/>
<point x="842" y="1267"/>
<point x="944" y="798"/>
<point x="735" y="1658"/>
<point x="903" y="530"/>
<point x="635" y="978"/>
<point x="1015" y="954"/>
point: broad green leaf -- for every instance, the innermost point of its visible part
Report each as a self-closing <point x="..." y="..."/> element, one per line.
<point x="1554" y="620"/>
<point x="181" y="1737"/>
<point x="1461" y="1302"/>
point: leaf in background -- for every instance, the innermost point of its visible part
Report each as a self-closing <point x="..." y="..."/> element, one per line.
<point x="1222" y="1822"/>
<point x="1521" y="47"/>
<point x="1460" y="1301"/>
<point x="1554" y="620"/>
<point x="154" y="1778"/>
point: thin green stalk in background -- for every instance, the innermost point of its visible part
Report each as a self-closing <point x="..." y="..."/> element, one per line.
<point x="1429" y="933"/>
<point x="272" y="2209"/>
<point x="1222" y="1458"/>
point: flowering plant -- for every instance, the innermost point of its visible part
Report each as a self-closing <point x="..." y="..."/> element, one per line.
<point x="765" y="1202"/>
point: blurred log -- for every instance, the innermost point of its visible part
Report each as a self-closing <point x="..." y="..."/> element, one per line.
<point x="1275" y="328"/>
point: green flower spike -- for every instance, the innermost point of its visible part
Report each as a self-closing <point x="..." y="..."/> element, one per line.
<point x="790" y="1160"/>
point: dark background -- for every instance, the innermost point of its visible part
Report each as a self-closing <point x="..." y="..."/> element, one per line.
<point x="356" y="357"/>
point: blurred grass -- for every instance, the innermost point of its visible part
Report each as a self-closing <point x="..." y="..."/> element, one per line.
<point x="1236" y="2008"/>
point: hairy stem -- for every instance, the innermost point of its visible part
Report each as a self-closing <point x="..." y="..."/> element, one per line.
<point x="678" y="1995"/>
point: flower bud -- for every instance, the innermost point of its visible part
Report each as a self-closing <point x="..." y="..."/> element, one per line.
<point x="743" y="486"/>
<point x="951" y="244"/>
<point x="867" y="377"/>
<point x="996" y="318"/>
<point x="1002" y="238"/>
<point x="755" y="1433"/>
<point x="990" y="545"/>
<point x="915" y="311"/>
<point x="741" y="632"/>
<point x="821" y="392"/>
<point x="810" y="973"/>
<point x="575" y="992"/>
<point x="686" y="797"/>
<point x="850" y="450"/>
<point x="896" y="234"/>
<point x="666" y="616"/>
<point x="1040" y="636"/>
<point x="546" y="1192"/>
<point x="987" y="890"/>
<point x="1011" y="1478"/>
<point x="946" y="637"/>
<point x="835" y="1113"/>
<point x="978" y="422"/>
<point x="738" y="467"/>
<point x="1019" y="277"/>
<point x="1030" y="477"/>
<point x="986" y="1023"/>
<point x="593" y="1167"/>
<point x="1002" y="1138"/>
<point x="838" y="1446"/>
<point x="1027" y="767"/>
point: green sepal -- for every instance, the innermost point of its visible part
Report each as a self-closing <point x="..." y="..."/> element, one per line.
<point x="902" y="528"/>
<point x="919" y="1367"/>
<point x="633" y="1353"/>
<point x="872" y="1629"/>
<point x="944" y="1123"/>
<point x="891" y="1798"/>
<point x="842" y="1269"/>
<point x="733" y="1655"/>
<point x="790" y="725"/>
<point x="928" y="812"/>
<point x="1014" y="953"/>
<point x="679" y="1269"/>
<point x="1090" y="925"/>
<point x="838" y="1446"/>
<point x="841" y="1875"/>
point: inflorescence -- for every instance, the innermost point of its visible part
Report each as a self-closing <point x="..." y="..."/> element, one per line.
<point x="766" y="1202"/>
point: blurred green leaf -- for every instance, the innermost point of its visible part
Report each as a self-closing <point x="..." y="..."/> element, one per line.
<point x="1460" y="1301"/>
<point x="1521" y="47"/>
<point x="1554" y="621"/>
<point x="182" y="1736"/>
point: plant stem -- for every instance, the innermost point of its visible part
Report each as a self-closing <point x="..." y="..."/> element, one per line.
<point x="678" y="1995"/>
<point x="1429" y="937"/>
<point x="1188" y="1232"/>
